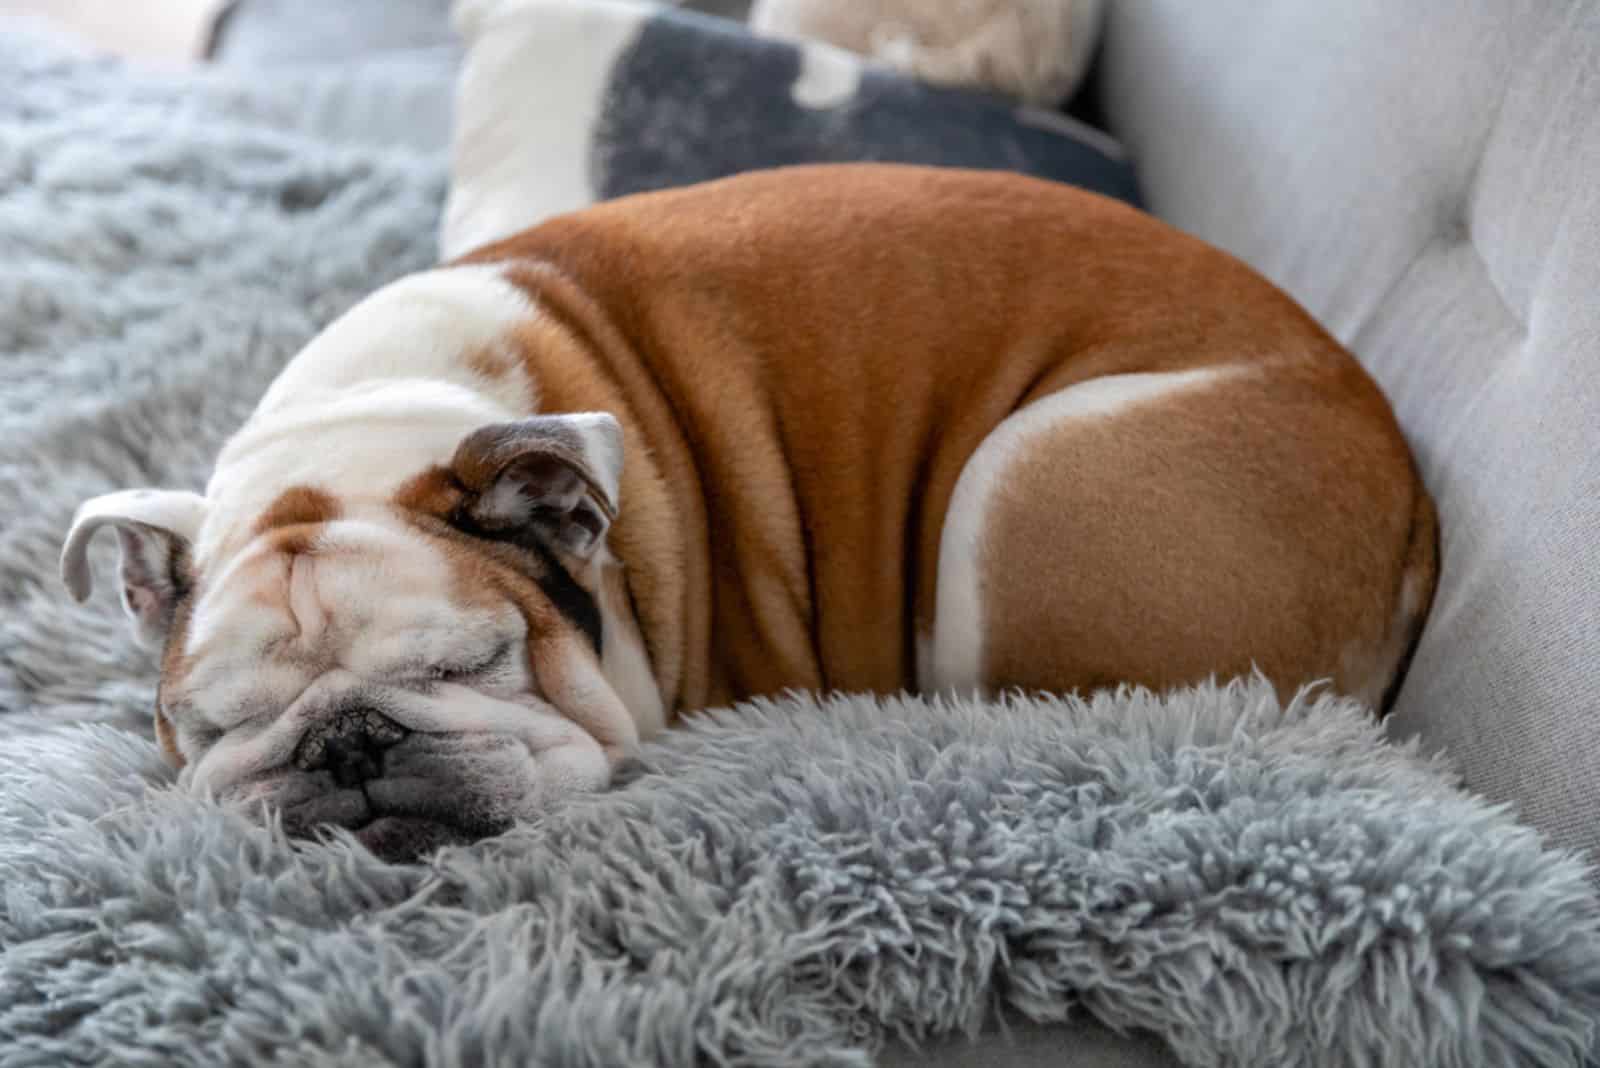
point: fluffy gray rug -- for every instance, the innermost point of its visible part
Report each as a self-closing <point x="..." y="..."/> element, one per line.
<point x="166" y="244"/>
<point x="791" y="883"/>
<point x="788" y="884"/>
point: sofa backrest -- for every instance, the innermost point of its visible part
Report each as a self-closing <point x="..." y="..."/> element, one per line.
<point x="1425" y="178"/>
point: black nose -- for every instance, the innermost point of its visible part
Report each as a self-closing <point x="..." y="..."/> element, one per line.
<point x="350" y="745"/>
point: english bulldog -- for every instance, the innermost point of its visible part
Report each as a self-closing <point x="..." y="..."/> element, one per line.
<point x="855" y="427"/>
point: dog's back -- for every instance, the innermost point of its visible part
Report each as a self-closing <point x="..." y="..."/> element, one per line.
<point x="1171" y="470"/>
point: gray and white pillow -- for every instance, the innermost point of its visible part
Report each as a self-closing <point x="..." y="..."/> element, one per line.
<point x="564" y="102"/>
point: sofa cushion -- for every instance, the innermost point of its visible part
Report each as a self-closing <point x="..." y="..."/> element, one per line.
<point x="1426" y="179"/>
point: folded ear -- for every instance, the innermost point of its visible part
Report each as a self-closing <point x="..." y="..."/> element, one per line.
<point x="155" y="529"/>
<point x="550" y="478"/>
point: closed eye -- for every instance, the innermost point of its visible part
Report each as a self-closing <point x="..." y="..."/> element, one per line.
<point x="205" y="735"/>
<point x="475" y="669"/>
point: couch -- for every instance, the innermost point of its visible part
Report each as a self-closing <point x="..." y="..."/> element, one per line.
<point x="1425" y="178"/>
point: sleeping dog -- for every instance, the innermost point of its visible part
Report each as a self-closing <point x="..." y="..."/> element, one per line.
<point x="864" y="428"/>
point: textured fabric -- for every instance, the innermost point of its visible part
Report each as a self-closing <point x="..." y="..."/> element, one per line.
<point x="793" y="881"/>
<point x="167" y="242"/>
<point x="654" y="98"/>
<point x="1425" y="177"/>
<point x="1076" y="1044"/>
<point x="273" y="33"/>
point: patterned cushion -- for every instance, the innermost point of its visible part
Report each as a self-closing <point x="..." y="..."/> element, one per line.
<point x="564" y="102"/>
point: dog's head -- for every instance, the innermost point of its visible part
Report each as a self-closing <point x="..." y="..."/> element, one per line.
<point x="420" y="666"/>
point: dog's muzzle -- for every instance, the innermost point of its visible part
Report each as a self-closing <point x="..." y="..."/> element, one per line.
<point x="349" y="746"/>
<point x="351" y="770"/>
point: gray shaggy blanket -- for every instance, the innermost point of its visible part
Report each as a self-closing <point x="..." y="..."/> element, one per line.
<point x="788" y="883"/>
<point x="791" y="882"/>
<point x="166" y="244"/>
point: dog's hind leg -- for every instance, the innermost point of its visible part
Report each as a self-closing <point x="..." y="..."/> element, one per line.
<point x="1161" y="528"/>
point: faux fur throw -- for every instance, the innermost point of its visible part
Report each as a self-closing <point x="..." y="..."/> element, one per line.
<point x="167" y="242"/>
<point x="788" y="883"/>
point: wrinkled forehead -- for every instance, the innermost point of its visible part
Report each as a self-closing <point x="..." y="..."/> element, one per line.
<point x="367" y="593"/>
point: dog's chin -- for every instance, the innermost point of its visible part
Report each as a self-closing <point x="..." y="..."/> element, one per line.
<point x="434" y="792"/>
<point x="395" y="837"/>
<point x="431" y="790"/>
<point x="401" y="839"/>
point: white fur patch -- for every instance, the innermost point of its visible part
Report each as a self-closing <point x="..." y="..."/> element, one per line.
<point x="1368" y="670"/>
<point x="420" y="327"/>
<point x="624" y="661"/>
<point x="384" y="393"/>
<point x="959" y="624"/>
<point x="602" y="448"/>
<point x="373" y="596"/>
<point x="174" y="513"/>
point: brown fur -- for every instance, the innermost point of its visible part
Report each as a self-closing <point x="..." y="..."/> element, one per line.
<point x="1161" y="571"/>
<point x="656" y="526"/>
<point x="495" y="362"/>
<point x="298" y="506"/>
<point x="435" y="492"/>
<point x="803" y="361"/>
